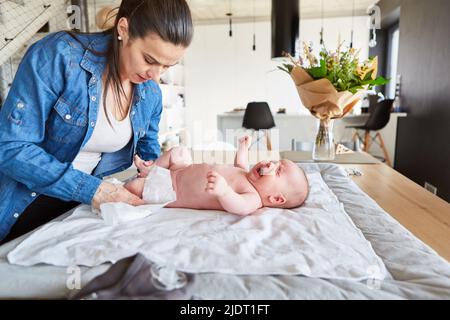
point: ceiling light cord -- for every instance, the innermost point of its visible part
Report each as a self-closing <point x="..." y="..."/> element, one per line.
<point x="322" y="23"/>
<point x="230" y="14"/>
<point x="254" y="27"/>
<point x="353" y="24"/>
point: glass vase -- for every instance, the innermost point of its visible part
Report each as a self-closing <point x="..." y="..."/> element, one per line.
<point x="324" y="148"/>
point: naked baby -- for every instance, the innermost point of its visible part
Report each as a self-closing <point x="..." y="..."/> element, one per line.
<point x="235" y="189"/>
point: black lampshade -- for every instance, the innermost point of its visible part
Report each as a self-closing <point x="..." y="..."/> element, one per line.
<point x="258" y="116"/>
<point x="285" y="26"/>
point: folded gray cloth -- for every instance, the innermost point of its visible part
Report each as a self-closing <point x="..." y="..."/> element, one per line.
<point x="132" y="278"/>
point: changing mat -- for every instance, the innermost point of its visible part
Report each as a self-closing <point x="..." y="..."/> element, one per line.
<point x="317" y="240"/>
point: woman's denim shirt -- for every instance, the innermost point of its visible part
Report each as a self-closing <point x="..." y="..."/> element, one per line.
<point x="50" y="114"/>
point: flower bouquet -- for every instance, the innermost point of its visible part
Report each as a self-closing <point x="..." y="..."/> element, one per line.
<point x="330" y="87"/>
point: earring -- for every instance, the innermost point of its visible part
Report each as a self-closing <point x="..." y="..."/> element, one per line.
<point x="119" y="38"/>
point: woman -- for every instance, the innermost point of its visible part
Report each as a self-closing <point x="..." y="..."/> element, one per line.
<point x="80" y="108"/>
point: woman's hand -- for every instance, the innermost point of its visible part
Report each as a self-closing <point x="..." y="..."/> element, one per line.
<point x="108" y="192"/>
<point x="144" y="167"/>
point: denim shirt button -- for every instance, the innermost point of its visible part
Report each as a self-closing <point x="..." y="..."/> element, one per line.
<point x="94" y="98"/>
<point x="68" y="117"/>
<point x="20" y="105"/>
<point x="16" y="215"/>
<point x="92" y="124"/>
<point x="34" y="194"/>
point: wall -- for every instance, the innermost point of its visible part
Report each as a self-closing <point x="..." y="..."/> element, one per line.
<point x="94" y="6"/>
<point x="423" y="147"/>
<point x="223" y="73"/>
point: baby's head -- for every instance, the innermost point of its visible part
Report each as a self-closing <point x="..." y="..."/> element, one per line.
<point x="280" y="184"/>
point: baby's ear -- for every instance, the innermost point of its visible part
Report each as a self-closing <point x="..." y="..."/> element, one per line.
<point x="277" y="200"/>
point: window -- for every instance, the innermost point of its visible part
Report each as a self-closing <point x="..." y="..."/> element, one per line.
<point x="392" y="60"/>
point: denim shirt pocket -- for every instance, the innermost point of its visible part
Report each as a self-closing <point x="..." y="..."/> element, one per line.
<point x="17" y="113"/>
<point x="66" y="123"/>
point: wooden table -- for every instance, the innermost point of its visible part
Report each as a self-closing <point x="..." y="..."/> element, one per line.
<point x="421" y="212"/>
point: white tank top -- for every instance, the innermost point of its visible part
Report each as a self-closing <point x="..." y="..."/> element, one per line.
<point x="104" y="139"/>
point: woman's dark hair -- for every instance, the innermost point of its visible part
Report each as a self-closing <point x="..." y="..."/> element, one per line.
<point x="169" y="19"/>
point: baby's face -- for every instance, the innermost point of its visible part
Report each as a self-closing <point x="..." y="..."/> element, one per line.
<point x="278" y="182"/>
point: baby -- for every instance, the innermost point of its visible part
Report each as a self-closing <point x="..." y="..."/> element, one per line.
<point x="276" y="184"/>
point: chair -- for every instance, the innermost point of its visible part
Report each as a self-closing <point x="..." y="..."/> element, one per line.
<point x="378" y="119"/>
<point x="259" y="117"/>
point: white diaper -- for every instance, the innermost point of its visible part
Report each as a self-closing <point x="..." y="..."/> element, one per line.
<point x="158" y="187"/>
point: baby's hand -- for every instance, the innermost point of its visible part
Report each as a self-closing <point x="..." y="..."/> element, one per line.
<point x="245" y="141"/>
<point x="216" y="185"/>
<point x="144" y="167"/>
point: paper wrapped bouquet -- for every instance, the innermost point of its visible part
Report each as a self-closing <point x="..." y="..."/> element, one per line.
<point x="332" y="87"/>
<point x="320" y="96"/>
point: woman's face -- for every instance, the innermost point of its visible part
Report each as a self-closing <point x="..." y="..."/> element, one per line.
<point x="144" y="59"/>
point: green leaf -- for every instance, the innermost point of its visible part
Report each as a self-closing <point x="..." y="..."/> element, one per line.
<point x="283" y="69"/>
<point x="368" y="76"/>
<point x="289" y="67"/>
<point x="319" y="72"/>
<point x="355" y="89"/>
<point x="380" y="81"/>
